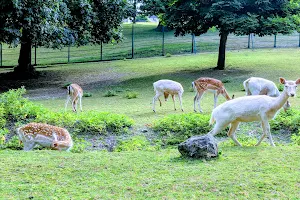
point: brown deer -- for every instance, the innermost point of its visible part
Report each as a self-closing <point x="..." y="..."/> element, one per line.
<point x="75" y="93"/>
<point x="45" y="135"/>
<point x="203" y="84"/>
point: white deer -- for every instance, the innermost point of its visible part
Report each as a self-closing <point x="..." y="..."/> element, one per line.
<point x="167" y="87"/>
<point x="45" y="135"/>
<point x="251" y="108"/>
<point x="75" y="93"/>
<point x="203" y="84"/>
<point x="261" y="86"/>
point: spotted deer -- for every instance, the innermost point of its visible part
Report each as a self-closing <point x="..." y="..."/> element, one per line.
<point x="45" y="135"/>
<point x="75" y="93"/>
<point x="203" y="84"/>
<point x="251" y="108"/>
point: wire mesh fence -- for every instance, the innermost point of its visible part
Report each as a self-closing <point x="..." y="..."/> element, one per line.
<point x="142" y="40"/>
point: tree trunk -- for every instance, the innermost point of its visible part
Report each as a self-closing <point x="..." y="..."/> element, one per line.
<point x="25" y="69"/>
<point x="222" y="50"/>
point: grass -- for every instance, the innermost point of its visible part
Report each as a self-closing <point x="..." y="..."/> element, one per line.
<point x="138" y="75"/>
<point x="147" y="43"/>
<point x="240" y="173"/>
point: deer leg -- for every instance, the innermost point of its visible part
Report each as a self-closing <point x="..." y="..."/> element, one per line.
<point x="218" y="128"/>
<point x="180" y="100"/>
<point x="28" y="145"/>
<point x="216" y="94"/>
<point x="68" y="99"/>
<point x="231" y="132"/>
<point x="157" y="95"/>
<point x="266" y="129"/>
<point x="199" y="97"/>
<point x="74" y="102"/>
<point x="80" y="103"/>
<point x="173" y="98"/>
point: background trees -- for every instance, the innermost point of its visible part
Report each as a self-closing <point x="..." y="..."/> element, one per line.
<point x="262" y="17"/>
<point x="57" y="23"/>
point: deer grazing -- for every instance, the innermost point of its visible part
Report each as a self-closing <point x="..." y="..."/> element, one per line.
<point x="75" y="93"/>
<point x="204" y="84"/>
<point x="251" y="108"/>
<point x="45" y="135"/>
<point x="261" y="86"/>
<point x="166" y="88"/>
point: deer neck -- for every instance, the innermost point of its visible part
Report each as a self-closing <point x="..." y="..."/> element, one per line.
<point x="280" y="100"/>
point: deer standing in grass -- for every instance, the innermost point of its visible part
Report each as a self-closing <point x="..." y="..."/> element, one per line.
<point x="261" y="86"/>
<point x="251" y="108"/>
<point x="166" y="88"/>
<point x="45" y="135"/>
<point x="75" y="93"/>
<point x="203" y="84"/>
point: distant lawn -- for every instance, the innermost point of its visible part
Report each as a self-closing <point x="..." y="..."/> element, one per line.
<point x="147" y="43"/>
<point x="240" y="173"/>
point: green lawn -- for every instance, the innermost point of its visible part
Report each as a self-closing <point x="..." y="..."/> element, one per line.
<point x="138" y="75"/>
<point x="240" y="173"/>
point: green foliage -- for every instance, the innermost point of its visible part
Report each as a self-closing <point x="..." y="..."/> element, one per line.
<point x="79" y="145"/>
<point x="177" y="128"/>
<point x="66" y="85"/>
<point x="168" y="55"/>
<point x="136" y="143"/>
<point x="13" y="143"/>
<point x="131" y="95"/>
<point x="2" y="116"/>
<point x="87" y="94"/>
<point x="280" y="87"/>
<point x="288" y="121"/>
<point x="296" y="138"/>
<point x="110" y="93"/>
<point x="3" y="132"/>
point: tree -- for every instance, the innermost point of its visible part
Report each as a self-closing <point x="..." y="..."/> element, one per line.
<point x="58" y="23"/>
<point x="241" y="17"/>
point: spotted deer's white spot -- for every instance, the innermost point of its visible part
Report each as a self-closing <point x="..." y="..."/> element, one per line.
<point x="45" y="135"/>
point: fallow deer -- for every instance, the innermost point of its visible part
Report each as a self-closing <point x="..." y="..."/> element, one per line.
<point x="75" y="93"/>
<point x="251" y="108"/>
<point x="45" y="135"/>
<point x="203" y="84"/>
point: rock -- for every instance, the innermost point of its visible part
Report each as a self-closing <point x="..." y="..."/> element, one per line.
<point x="204" y="146"/>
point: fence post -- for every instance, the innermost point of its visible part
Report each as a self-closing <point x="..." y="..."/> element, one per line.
<point x="68" y="53"/>
<point x="35" y="54"/>
<point x="163" y="40"/>
<point x="101" y="51"/>
<point x="1" y="54"/>
<point x="275" y="40"/>
<point x="249" y="41"/>
<point x="193" y="43"/>
<point x="299" y="39"/>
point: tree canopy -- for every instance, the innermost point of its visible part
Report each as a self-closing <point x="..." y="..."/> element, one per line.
<point x="262" y="17"/>
<point x="57" y="23"/>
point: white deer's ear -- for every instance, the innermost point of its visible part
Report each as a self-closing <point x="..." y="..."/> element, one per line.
<point x="282" y="80"/>
<point x="298" y="81"/>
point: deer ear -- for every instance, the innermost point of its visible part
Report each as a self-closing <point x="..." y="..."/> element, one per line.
<point x="298" y="81"/>
<point x="282" y="80"/>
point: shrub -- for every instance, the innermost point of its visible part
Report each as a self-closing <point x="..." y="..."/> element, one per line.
<point x="296" y="138"/>
<point x="131" y="95"/>
<point x="168" y="55"/>
<point x="110" y="93"/>
<point x="280" y="87"/>
<point x="136" y="143"/>
<point x="79" y="145"/>
<point x="177" y="128"/>
<point x="87" y="94"/>
<point x="287" y="121"/>
<point x="2" y="117"/>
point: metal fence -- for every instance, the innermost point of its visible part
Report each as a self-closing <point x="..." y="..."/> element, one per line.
<point x="142" y="40"/>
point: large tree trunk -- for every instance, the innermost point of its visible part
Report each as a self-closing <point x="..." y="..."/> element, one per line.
<point x="24" y="68"/>
<point x="222" y="50"/>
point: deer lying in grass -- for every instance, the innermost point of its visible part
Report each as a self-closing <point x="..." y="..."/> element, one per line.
<point x="251" y="108"/>
<point x="75" y="93"/>
<point x="204" y="84"/>
<point x="261" y="86"/>
<point x="45" y="135"/>
<point x="166" y="88"/>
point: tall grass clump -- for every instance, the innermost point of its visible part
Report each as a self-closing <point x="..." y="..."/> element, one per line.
<point x="287" y="121"/>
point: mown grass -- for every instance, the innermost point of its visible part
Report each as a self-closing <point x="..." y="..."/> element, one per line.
<point x="240" y="173"/>
<point x="138" y="75"/>
<point x="147" y="43"/>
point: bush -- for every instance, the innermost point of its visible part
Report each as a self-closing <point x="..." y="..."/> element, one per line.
<point x="296" y="138"/>
<point x="168" y="55"/>
<point x="79" y="145"/>
<point x="177" y="128"/>
<point x="131" y="95"/>
<point x="87" y="94"/>
<point x="110" y="93"/>
<point x="287" y="121"/>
